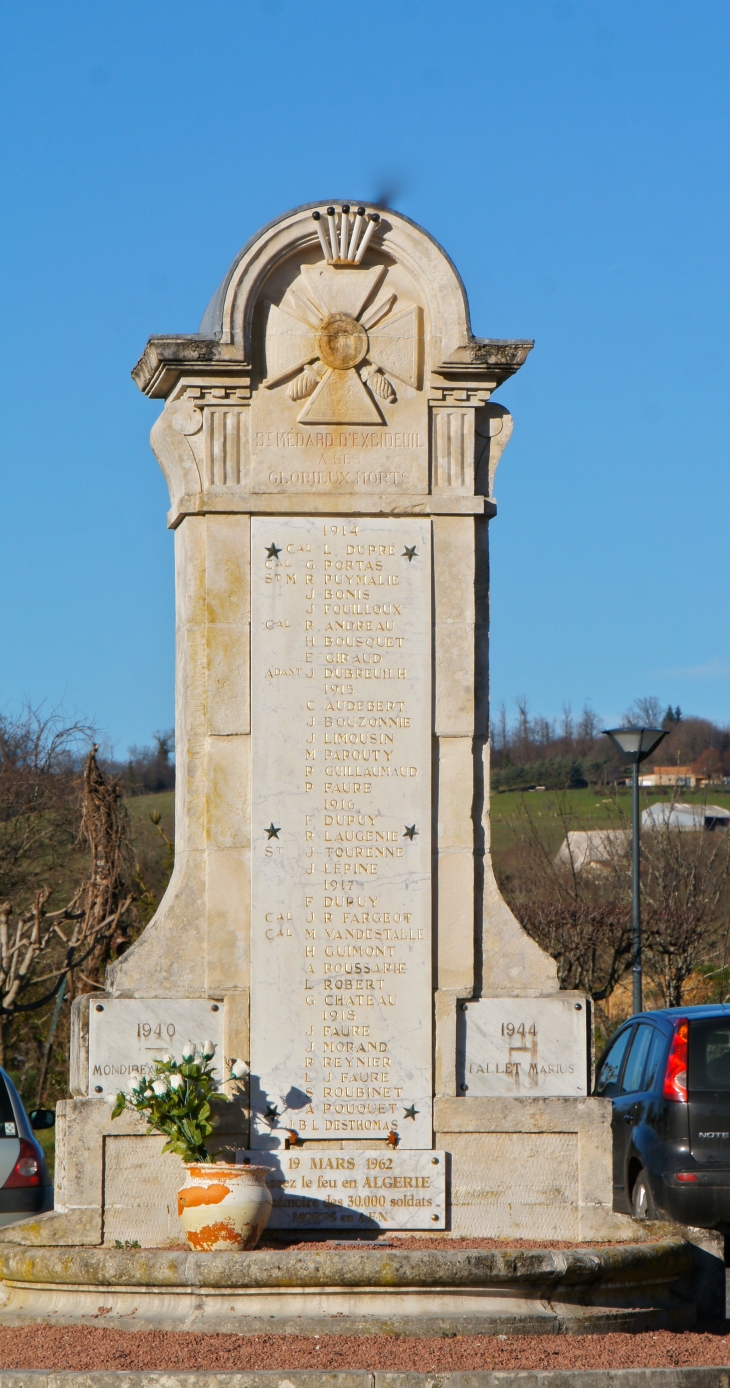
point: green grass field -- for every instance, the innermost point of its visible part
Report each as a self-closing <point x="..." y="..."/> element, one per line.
<point x="593" y="808"/>
<point x="140" y="808"/>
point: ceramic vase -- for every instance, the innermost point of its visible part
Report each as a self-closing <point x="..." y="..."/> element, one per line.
<point x="223" y="1206"/>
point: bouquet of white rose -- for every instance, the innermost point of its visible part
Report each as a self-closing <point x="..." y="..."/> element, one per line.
<point x="176" y="1100"/>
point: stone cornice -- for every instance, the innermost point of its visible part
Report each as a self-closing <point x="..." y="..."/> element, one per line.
<point x="166" y="358"/>
<point x="482" y="361"/>
<point x="222" y="503"/>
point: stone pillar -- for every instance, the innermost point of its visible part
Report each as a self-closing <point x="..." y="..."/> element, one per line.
<point x="327" y="392"/>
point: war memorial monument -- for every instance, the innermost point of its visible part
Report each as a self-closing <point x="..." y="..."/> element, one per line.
<point x="330" y="444"/>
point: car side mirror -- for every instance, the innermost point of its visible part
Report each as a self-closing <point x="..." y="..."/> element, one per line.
<point x="42" y="1118"/>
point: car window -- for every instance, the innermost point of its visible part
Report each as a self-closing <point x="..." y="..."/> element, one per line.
<point x="654" y="1059"/>
<point x="7" y="1116"/>
<point x="634" y="1067"/>
<point x="610" y="1068"/>
<point x="709" y="1054"/>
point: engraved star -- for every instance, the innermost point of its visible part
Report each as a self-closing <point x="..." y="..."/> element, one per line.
<point x="411" y="832"/>
<point x="271" y="1114"/>
<point x="411" y="1112"/>
<point x="272" y="552"/>
<point x="272" y="831"/>
<point x="409" y="553"/>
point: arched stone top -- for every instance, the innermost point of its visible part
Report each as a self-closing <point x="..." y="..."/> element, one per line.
<point x="335" y="360"/>
<point x="229" y="316"/>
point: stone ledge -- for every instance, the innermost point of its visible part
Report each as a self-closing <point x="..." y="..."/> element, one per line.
<point x="55" y="1228"/>
<point x="366" y="1292"/>
<point x="627" y="1265"/>
<point x="213" y="502"/>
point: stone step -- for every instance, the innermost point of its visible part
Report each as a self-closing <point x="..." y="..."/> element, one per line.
<point x="371" y="1291"/>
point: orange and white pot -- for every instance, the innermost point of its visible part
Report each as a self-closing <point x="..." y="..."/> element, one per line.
<point x="224" y="1206"/>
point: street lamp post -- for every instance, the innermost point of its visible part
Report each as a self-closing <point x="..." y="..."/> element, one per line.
<point x="635" y="745"/>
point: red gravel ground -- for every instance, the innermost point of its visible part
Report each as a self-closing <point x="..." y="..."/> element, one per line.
<point x="57" y="1347"/>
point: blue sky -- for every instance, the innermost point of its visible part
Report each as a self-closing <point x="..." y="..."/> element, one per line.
<point x="573" y="160"/>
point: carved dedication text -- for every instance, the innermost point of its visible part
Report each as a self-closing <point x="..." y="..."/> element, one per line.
<point x="341" y="795"/>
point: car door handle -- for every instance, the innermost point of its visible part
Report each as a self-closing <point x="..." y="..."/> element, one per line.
<point x="629" y="1117"/>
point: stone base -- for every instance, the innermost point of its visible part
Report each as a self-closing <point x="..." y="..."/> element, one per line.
<point x="531" y="1168"/>
<point x="518" y="1168"/>
<point x="367" y="1291"/>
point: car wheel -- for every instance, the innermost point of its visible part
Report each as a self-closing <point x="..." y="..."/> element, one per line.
<point x="642" y="1204"/>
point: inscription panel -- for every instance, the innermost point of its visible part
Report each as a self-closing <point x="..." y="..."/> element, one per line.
<point x="354" y="1190"/>
<point x="341" y="794"/>
<point x="127" y="1034"/>
<point x="523" y="1046"/>
<point x="339" y="458"/>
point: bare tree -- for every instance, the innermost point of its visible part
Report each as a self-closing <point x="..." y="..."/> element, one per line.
<point x="588" y="725"/>
<point x="523" y="723"/>
<point x="645" y="713"/>
<point x="686" y="875"/>
<point x="582" y="918"/>
<point x="500" y="734"/>
<point x="40" y="759"/>
<point x="590" y="941"/>
<point x="43" y="950"/>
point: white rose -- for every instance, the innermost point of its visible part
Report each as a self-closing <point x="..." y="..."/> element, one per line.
<point x="239" y="1069"/>
<point x="188" y="1050"/>
<point x="176" y="1081"/>
<point x="166" y="1059"/>
<point x="209" y="1049"/>
<point x="159" y="1087"/>
<point x="133" y="1083"/>
<point x="110" y="1099"/>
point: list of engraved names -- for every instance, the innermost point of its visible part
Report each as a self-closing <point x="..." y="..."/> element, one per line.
<point x="341" y="804"/>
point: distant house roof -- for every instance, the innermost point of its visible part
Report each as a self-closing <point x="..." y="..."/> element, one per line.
<point x="671" y="770"/>
<point x="664" y="816"/>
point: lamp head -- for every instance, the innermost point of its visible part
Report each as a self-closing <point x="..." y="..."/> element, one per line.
<point x="635" y="744"/>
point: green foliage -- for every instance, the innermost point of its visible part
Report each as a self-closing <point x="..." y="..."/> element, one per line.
<point x="557" y="773"/>
<point x="176" y="1101"/>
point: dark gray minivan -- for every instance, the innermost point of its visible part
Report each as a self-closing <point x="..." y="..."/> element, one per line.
<point x="668" y="1075"/>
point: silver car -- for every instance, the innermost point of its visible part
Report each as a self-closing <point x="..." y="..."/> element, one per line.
<point x="25" y="1186"/>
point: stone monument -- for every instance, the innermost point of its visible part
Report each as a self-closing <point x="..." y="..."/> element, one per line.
<point x="330" y="442"/>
